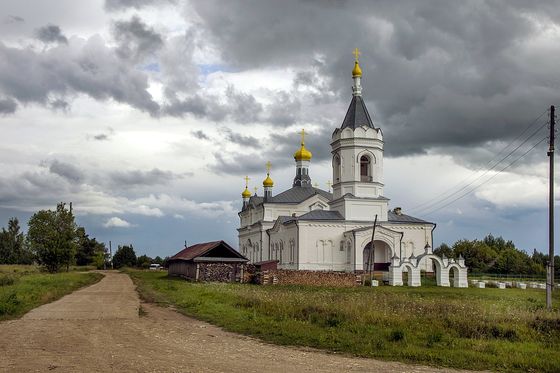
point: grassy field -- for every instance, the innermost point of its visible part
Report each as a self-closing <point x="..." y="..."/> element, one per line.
<point x="23" y="288"/>
<point x="504" y="330"/>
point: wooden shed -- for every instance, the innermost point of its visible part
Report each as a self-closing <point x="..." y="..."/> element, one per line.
<point x="209" y="261"/>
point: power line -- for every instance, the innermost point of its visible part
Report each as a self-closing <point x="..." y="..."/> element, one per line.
<point x="493" y="176"/>
<point x="485" y="172"/>
<point x="480" y="167"/>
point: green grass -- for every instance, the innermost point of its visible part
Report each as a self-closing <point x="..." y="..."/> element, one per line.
<point x="23" y="288"/>
<point x="504" y="330"/>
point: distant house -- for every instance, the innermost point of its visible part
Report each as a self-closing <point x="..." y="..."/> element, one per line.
<point x="209" y="261"/>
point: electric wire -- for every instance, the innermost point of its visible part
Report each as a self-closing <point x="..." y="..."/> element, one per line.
<point x="488" y="180"/>
<point x="422" y="210"/>
<point x="429" y="201"/>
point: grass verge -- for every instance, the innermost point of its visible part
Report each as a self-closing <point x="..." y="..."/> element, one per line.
<point x="23" y="288"/>
<point x="503" y="330"/>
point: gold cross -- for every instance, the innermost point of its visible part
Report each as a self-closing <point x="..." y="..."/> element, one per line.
<point x="356" y="54"/>
<point x="268" y="165"/>
<point x="316" y="185"/>
<point x="246" y="178"/>
<point x="255" y="189"/>
<point x="329" y="185"/>
<point x="302" y="136"/>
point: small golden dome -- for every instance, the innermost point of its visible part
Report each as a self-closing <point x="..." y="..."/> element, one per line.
<point x="268" y="181"/>
<point x="246" y="193"/>
<point x="302" y="154"/>
<point x="357" y="71"/>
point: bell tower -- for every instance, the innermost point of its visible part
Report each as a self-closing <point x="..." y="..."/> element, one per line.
<point x="357" y="160"/>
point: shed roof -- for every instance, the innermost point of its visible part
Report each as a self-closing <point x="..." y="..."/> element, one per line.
<point x="205" y="249"/>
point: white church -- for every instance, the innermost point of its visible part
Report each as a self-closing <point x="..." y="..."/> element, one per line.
<point x="306" y="228"/>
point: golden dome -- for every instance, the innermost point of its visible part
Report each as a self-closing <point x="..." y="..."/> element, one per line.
<point x="268" y="181"/>
<point x="302" y="154"/>
<point x="357" y="71"/>
<point x="246" y="193"/>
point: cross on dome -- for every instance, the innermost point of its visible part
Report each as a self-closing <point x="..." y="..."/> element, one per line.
<point x="356" y="54"/>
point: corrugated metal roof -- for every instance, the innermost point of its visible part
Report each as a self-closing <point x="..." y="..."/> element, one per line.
<point x="200" y="249"/>
<point x="321" y="215"/>
<point x="402" y="218"/>
<point x="299" y="194"/>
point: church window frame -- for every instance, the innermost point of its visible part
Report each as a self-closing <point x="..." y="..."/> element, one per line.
<point x="336" y="168"/>
<point x="365" y="168"/>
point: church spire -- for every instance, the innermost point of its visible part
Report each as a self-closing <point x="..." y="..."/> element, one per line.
<point x="357" y="114"/>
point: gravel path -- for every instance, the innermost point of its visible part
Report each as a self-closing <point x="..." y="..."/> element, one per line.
<point x="98" y="329"/>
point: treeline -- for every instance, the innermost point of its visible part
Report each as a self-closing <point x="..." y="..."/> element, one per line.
<point x="496" y="255"/>
<point x="126" y="257"/>
<point x="53" y="241"/>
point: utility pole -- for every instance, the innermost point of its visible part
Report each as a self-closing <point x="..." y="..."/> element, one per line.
<point x="371" y="253"/>
<point x="550" y="269"/>
<point x="111" y="254"/>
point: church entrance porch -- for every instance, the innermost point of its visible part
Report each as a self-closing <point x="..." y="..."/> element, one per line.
<point x="379" y="257"/>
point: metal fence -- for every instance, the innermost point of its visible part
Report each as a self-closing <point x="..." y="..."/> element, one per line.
<point x="507" y="277"/>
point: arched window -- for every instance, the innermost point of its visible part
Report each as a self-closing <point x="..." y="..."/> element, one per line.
<point x="336" y="168"/>
<point x="365" y="168"/>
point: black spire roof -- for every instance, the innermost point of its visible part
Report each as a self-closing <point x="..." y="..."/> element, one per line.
<point x="357" y="115"/>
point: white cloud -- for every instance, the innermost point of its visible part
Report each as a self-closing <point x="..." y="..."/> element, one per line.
<point x="116" y="222"/>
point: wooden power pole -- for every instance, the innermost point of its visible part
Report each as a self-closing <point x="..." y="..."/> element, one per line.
<point x="550" y="268"/>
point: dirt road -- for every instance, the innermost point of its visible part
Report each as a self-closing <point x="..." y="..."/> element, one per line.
<point x="98" y="329"/>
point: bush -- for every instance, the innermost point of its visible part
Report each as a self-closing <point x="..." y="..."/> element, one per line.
<point x="7" y="280"/>
<point x="9" y="304"/>
<point x="397" y="335"/>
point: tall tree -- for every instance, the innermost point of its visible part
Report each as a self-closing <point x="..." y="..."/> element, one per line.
<point x="12" y="245"/>
<point x="87" y="248"/>
<point x="124" y="257"/>
<point x="52" y="237"/>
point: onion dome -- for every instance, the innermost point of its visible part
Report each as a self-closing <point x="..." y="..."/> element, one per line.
<point x="268" y="181"/>
<point x="356" y="72"/>
<point x="303" y="154"/>
<point x="246" y="193"/>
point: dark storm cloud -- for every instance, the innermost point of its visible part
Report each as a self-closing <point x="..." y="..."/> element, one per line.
<point x="51" y="34"/>
<point x="102" y="136"/>
<point x="279" y="146"/>
<point x="142" y="178"/>
<point x="82" y="66"/>
<point x="7" y="106"/>
<point x="436" y="74"/>
<point x="13" y="19"/>
<point x="67" y="171"/>
<point x="59" y="104"/>
<point x="200" y="135"/>
<point x="136" y="4"/>
<point x="135" y="39"/>
<point x="240" y="139"/>
<point x="238" y="106"/>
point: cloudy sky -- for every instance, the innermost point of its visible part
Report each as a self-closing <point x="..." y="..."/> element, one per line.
<point x="148" y="114"/>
